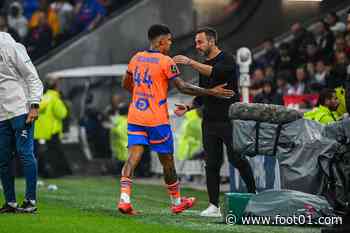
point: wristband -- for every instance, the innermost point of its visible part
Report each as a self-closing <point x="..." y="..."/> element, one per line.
<point x="36" y="106"/>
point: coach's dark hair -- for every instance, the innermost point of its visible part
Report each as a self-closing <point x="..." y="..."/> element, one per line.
<point x="211" y="33"/>
<point x="325" y="94"/>
<point x="157" y="30"/>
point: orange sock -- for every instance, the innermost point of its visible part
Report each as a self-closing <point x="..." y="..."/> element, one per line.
<point x="125" y="189"/>
<point x="174" y="192"/>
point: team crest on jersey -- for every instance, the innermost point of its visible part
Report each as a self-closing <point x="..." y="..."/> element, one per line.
<point x="173" y="69"/>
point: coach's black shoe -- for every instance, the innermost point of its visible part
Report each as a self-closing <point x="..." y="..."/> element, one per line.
<point x="6" y="208"/>
<point x="28" y="207"/>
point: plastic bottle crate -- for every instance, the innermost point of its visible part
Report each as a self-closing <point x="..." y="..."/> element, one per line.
<point x="235" y="204"/>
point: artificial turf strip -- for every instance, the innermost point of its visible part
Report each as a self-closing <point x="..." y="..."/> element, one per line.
<point x="88" y="205"/>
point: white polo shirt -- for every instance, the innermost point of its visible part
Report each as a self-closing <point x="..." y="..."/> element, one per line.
<point x="20" y="85"/>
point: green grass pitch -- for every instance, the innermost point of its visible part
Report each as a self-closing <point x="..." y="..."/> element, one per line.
<point x="87" y="205"/>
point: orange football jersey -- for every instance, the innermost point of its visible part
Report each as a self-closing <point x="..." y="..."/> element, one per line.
<point x="151" y="72"/>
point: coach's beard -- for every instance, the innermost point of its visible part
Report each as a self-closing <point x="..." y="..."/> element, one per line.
<point x="204" y="53"/>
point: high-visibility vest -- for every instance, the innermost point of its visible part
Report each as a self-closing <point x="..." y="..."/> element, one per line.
<point x="119" y="137"/>
<point x="340" y="93"/>
<point x="190" y="138"/>
<point x="52" y="112"/>
<point x="322" y="114"/>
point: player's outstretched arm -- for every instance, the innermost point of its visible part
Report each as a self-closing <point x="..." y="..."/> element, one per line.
<point x="189" y="89"/>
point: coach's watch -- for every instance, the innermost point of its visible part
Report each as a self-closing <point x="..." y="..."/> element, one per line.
<point x="36" y="106"/>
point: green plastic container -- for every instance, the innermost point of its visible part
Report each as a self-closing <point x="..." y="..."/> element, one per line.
<point x="234" y="206"/>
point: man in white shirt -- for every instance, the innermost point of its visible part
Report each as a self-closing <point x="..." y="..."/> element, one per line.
<point x="17" y="21"/>
<point x="20" y="95"/>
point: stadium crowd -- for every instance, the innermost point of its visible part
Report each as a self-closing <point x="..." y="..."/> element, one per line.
<point x="313" y="60"/>
<point x="44" y="24"/>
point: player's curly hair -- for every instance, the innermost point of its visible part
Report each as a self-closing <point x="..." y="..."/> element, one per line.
<point x="157" y="30"/>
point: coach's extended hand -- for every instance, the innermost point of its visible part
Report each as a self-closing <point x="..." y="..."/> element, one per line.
<point x="221" y="92"/>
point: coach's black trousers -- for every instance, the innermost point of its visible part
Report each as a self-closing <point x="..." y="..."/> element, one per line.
<point x="215" y="135"/>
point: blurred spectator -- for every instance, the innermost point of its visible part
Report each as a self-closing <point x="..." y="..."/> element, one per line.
<point x="258" y="75"/>
<point x="48" y="132"/>
<point x="325" y="112"/>
<point x="109" y="115"/>
<point x="39" y="39"/>
<point x="301" y="38"/>
<point x="64" y="11"/>
<point x="340" y="57"/>
<point x="51" y="18"/>
<point x="284" y="61"/>
<point x="97" y="135"/>
<point x="17" y="21"/>
<point x="310" y="68"/>
<point x="112" y="5"/>
<point x="189" y="145"/>
<point x="318" y="80"/>
<point x="347" y="45"/>
<point x="254" y="90"/>
<point x="4" y="27"/>
<point x="190" y="137"/>
<point x="300" y="85"/>
<point x="312" y="54"/>
<point x="338" y="73"/>
<point x="270" y="54"/>
<point x="324" y="39"/>
<point x="112" y="110"/>
<point x="341" y="96"/>
<point x="282" y="84"/>
<point x="269" y="73"/>
<point x="88" y="14"/>
<point x="29" y="7"/>
<point x="340" y="44"/>
<point x="334" y="23"/>
<point x="119" y="136"/>
<point x="268" y="94"/>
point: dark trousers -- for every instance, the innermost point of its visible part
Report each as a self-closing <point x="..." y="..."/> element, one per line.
<point x="17" y="136"/>
<point x="215" y="135"/>
<point x="52" y="159"/>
